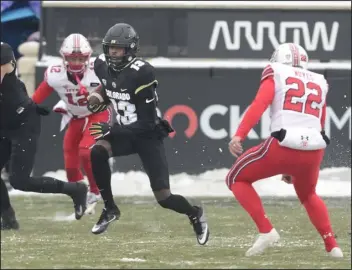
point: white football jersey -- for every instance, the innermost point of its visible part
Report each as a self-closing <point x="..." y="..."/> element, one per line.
<point x="300" y="95"/>
<point x="56" y="77"/>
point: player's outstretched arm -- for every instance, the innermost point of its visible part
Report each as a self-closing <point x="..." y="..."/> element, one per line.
<point x="43" y="91"/>
<point x="263" y="99"/>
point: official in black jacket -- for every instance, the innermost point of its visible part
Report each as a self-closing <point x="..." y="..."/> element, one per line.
<point x="20" y="125"/>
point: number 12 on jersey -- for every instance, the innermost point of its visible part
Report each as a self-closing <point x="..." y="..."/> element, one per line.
<point x="81" y="99"/>
<point x="298" y="92"/>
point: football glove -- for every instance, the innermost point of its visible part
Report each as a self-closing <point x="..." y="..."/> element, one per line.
<point x="100" y="130"/>
<point x="95" y="108"/>
<point x="164" y="128"/>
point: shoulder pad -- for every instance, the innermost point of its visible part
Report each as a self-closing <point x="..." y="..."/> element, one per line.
<point x="99" y="60"/>
<point x="52" y="72"/>
<point x="145" y="77"/>
<point x="267" y="72"/>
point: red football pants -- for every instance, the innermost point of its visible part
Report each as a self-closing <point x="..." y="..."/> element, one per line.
<point x="77" y="143"/>
<point x="269" y="159"/>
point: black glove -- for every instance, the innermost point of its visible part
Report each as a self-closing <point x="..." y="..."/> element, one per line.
<point x="42" y="110"/>
<point x="164" y="128"/>
<point x="100" y="130"/>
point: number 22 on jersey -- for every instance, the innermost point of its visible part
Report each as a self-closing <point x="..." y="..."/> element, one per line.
<point x="310" y="105"/>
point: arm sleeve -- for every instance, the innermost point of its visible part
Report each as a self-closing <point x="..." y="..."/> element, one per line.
<point x="145" y="96"/>
<point x="146" y="104"/>
<point x="263" y="99"/>
<point x="323" y="117"/>
<point x="42" y="92"/>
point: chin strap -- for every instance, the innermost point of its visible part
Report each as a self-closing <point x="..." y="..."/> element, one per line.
<point x="82" y="90"/>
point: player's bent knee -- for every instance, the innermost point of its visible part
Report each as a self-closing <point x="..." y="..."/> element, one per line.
<point x="166" y="203"/>
<point x="84" y="153"/>
<point x="74" y="174"/>
<point x="304" y="197"/>
<point x="99" y="152"/>
<point x="106" y="145"/>
<point x="18" y="183"/>
<point x="161" y="194"/>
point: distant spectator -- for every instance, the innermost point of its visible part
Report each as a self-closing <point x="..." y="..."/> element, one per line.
<point x="34" y="36"/>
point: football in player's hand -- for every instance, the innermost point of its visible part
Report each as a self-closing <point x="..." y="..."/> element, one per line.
<point x="95" y="98"/>
<point x="96" y="102"/>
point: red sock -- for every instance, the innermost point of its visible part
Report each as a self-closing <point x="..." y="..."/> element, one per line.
<point x="84" y="154"/>
<point x="318" y="215"/>
<point x="250" y="201"/>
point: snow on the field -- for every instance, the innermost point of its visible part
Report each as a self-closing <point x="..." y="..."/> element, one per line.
<point x="132" y="260"/>
<point x="333" y="182"/>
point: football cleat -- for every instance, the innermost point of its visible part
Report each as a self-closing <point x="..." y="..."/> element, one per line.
<point x="8" y="220"/>
<point x="107" y="216"/>
<point x="263" y="241"/>
<point x="79" y="198"/>
<point x="200" y="226"/>
<point x="336" y="252"/>
<point x="92" y="200"/>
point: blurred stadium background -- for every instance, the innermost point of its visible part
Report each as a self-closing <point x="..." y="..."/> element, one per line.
<point x="209" y="56"/>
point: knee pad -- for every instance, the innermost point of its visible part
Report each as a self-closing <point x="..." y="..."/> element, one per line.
<point x="99" y="152"/>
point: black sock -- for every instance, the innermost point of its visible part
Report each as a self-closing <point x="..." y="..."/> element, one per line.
<point x="5" y="199"/>
<point x="102" y="174"/>
<point x="179" y="204"/>
<point x="46" y="184"/>
<point x="38" y="184"/>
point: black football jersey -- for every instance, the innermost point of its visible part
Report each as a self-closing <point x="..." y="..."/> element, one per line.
<point x="132" y="91"/>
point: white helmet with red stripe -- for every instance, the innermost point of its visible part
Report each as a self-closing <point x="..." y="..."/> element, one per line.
<point x="290" y="54"/>
<point x="76" y="51"/>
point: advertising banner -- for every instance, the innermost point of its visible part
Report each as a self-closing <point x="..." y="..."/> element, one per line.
<point x="217" y="33"/>
<point x="326" y="35"/>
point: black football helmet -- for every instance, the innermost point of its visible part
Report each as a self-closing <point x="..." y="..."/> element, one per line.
<point x="124" y="36"/>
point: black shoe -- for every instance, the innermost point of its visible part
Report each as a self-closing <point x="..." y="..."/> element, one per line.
<point x="8" y="220"/>
<point x="79" y="197"/>
<point x="106" y="217"/>
<point x="200" y="226"/>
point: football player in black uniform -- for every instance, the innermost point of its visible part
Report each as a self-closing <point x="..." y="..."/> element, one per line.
<point x="129" y="83"/>
<point x="19" y="133"/>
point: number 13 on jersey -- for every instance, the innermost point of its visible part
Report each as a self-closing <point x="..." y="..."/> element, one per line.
<point x="311" y="104"/>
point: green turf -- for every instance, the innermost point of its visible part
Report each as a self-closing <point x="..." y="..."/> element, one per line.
<point x="152" y="237"/>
